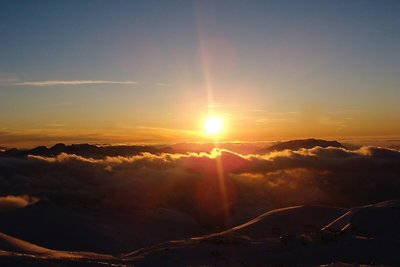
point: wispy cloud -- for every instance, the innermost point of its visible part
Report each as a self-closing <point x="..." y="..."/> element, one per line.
<point x="71" y="82"/>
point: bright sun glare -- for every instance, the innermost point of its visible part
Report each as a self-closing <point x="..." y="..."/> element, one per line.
<point x="213" y="126"/>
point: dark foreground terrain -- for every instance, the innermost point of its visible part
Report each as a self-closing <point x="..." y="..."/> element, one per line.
<point x="294" y="236"/>
<point x="294" y="203"/>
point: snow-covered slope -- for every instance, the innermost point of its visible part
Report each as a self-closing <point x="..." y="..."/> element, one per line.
<point x="15" y="245"/>
<point x="294" y="236"/>
<point x="377" y="221"/>
<point x="48" y="225"/>
<point x="288" y="221"/>
<point x="304" y="240"/>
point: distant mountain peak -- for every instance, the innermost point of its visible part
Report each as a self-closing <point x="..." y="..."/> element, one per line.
<point x="85" y="150"/>
<point x="301" y="143"/>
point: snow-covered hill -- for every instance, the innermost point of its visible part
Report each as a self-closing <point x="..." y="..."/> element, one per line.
<point x="293" y="236"/>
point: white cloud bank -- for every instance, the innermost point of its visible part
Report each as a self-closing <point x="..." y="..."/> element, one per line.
<point x="190" y="182"/>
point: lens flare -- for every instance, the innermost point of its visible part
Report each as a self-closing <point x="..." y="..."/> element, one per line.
<point x="213" y="126"/>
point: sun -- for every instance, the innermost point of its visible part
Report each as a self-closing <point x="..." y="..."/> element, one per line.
<point x="213" y="126"/>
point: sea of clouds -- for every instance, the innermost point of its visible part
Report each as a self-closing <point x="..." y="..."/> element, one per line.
<point x="204" y="185"/>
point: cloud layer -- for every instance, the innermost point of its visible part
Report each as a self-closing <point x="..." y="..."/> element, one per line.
<point x="207" y="185"/>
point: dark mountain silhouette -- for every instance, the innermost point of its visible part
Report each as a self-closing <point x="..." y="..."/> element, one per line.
<point x="101" y="151"/>
<point x="86" y="150"/>
<point x="299" y="144"/>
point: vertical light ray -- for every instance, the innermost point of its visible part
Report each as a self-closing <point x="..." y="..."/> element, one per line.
<point x="222" y="188"/>
<point x="204" y="60"/>
<point x="206" y="72"/>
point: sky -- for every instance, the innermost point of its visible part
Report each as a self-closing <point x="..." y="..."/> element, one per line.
<point x="153" y="71"/>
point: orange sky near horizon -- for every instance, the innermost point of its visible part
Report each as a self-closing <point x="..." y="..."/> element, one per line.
<point x="133" y="73"/>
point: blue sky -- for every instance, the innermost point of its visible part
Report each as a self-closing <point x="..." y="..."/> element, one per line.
<point x="331" y="66"/>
